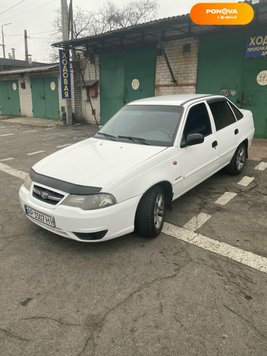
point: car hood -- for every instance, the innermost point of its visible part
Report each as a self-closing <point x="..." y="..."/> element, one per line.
<point x="95" y="162"/>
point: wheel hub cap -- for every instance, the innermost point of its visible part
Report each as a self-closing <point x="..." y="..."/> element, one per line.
<point x="240" y="158"/>
<point x="158" y="211"/>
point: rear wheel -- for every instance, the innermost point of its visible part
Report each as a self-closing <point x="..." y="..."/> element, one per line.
<point x="238" y="161"/>
<point x="150" y="213"/>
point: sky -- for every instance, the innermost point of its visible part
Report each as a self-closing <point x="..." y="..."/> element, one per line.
<point x="37" y="17"/>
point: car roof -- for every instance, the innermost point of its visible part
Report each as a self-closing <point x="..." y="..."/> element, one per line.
<point x="171" y="99"/>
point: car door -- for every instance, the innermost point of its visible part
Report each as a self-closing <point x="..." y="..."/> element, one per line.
<point x="227" y="129"/>
<point x="200" y="161"/>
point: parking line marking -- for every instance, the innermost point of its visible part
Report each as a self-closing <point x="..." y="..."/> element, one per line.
<point x="25" y="132"/>
<point x="12" y="171"/>
<point x="225" y="198"/>
<point x="245" y="181"/>
<point x="220" y="248"/>
<point x="61" y="146"/>
<point x="261" y="167"/>
<point x="49" y="128"/>
<point x="35" y="153"/>
<point x="197" y="221"/>
<point x="5" y="135"/>
<point x="6" y="159"/>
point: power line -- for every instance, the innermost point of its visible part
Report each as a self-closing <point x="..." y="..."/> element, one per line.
<point x="16" y="43"/>
<point x="39" y="33"/>
<point x="11" y="7"/>
<point x="31" y="8"/>
<point x="39" y="38"/>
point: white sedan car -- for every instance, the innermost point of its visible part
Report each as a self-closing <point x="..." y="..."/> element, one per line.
<point x="123" y="179"/>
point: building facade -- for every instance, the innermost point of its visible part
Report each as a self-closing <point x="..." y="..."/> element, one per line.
<point x="173" y="56"/>
<point x="162" y="57"/>
<point x="33" y="92"/>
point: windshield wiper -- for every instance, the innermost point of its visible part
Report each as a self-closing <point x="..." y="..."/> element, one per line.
<point x="106" y="135"/>
<point x="135" y="139"/>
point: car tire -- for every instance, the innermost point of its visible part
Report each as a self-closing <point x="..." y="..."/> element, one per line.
<point x="150" y="212"/>
<point x="238" y="161"/>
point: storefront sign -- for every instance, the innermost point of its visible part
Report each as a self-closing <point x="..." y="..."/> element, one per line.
<point x="256" y="46"/>
<point x="64" y="62"/>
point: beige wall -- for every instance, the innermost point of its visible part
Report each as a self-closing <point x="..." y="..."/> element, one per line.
<point x="91" y="72"/>
<point x="184" y="66"/>
<point x="25" y="96"/>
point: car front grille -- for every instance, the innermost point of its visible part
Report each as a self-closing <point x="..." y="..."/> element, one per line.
<point x="46" y="195"/>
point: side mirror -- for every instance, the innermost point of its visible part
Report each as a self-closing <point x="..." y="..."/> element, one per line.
<point x="100" y="127"/>
<point x="193" y="139"/>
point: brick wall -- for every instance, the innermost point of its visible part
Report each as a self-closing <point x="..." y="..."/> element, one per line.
<point x="77" y="87"/>
<point x="91" y="72"/>
<point x="62" y="102"/>
<point x="25" y="96"/>
<point x="184" y="66"/>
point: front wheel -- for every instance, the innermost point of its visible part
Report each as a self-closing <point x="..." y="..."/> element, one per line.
<point x="238" y="161"/>
<point x="150" y="212"/>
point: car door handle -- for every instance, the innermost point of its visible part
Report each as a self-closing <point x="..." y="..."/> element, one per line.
<point x="236" y="131"/>
<point x="214" y="144"/>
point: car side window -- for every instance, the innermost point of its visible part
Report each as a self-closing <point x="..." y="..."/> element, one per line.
<point x="222" y="114"/>
<point x="238" y="113"/>
<point x="198" y="121"/>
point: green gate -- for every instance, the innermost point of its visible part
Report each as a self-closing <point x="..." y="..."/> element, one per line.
<point x="125" y="76"/>
<point x="45" y="102"/>
<point x="9" y="98"/>
<point x="111" y="84"/>
<point x="254" y="96"/>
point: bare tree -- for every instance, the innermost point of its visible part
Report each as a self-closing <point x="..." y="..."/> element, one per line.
<point x="131" y="14"/>
<point x="109" y="17"/>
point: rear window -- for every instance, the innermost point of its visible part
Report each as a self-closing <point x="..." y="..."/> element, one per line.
<point x="222" y="114"/>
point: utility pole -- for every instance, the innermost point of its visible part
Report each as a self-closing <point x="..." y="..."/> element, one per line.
<point x="26" y="46"/>
<point x="65" y="36"/>
<point x="71" y="20"/>
<point x="3" y="38"/>
<point x="3" y="42"/>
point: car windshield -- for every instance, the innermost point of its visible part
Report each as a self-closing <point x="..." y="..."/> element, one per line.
<point x="143" y="124"/>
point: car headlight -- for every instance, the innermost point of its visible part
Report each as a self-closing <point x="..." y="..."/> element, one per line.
<point x="90" y="202"/>
<point x="28" y="182"/>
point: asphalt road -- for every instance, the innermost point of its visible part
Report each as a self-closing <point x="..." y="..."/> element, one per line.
<point x="203" y="292"/>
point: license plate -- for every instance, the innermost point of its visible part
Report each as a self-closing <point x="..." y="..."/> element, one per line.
<point x="43" y="218"/>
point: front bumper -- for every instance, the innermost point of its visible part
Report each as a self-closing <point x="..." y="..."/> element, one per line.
<point x="113" y="221"/>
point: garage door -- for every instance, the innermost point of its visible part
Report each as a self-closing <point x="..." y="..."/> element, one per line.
<point x="254" y="94"/>
<point x="45" y="102"/>
<point x="125" y="76"/>
<point x="9" y="98"/>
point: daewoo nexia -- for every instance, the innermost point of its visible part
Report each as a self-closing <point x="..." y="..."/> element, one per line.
<point x="123" y="179"/>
